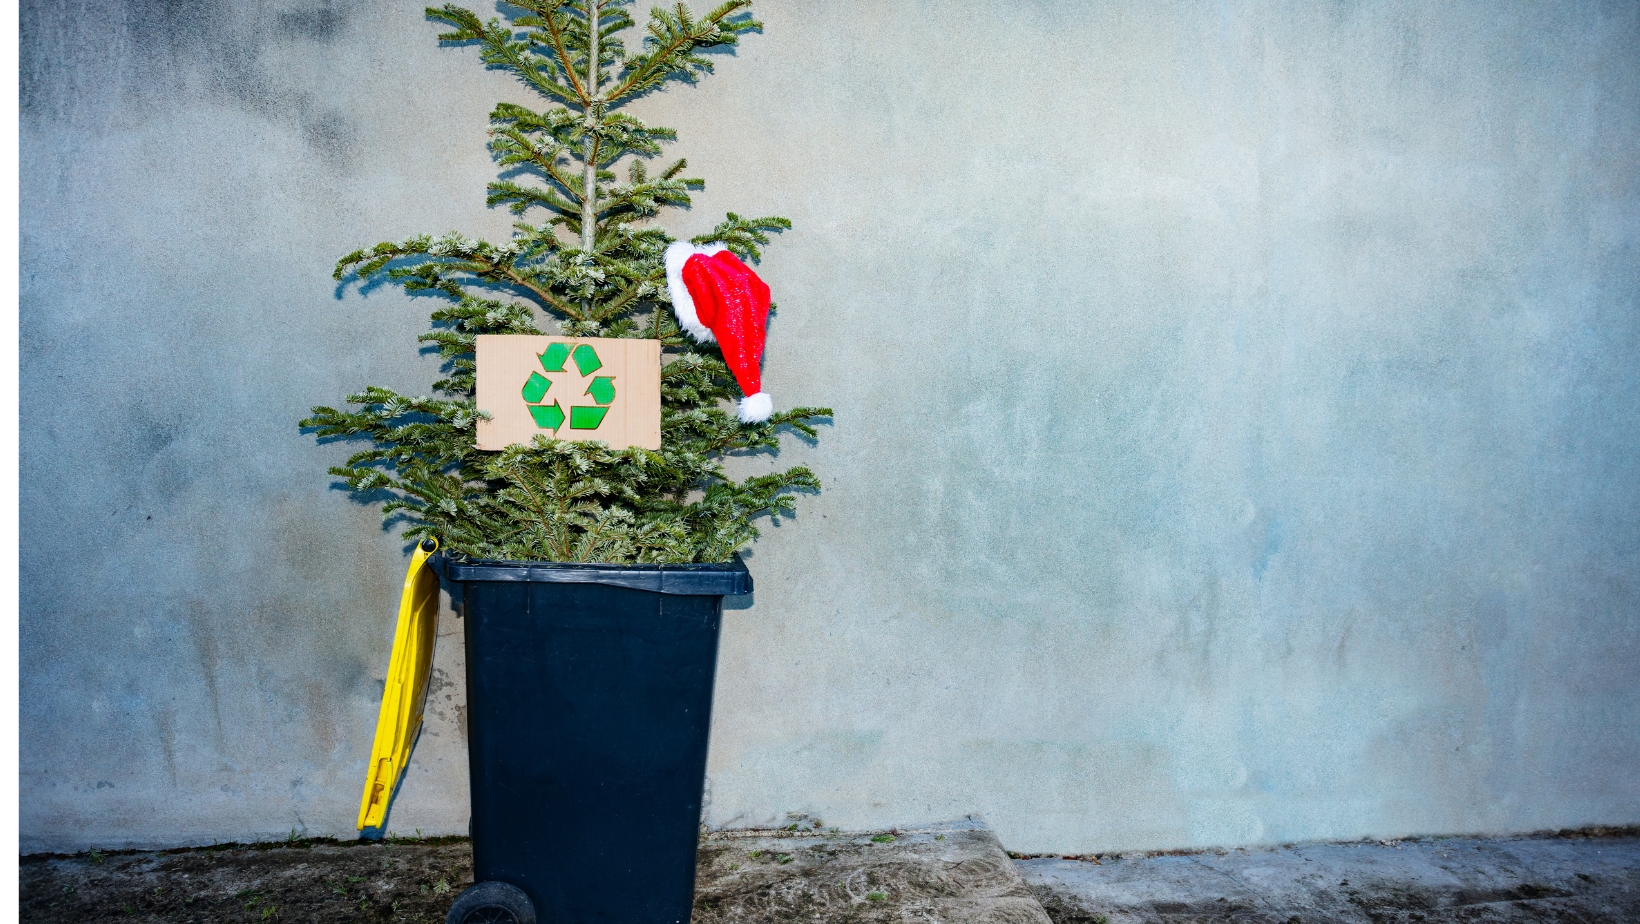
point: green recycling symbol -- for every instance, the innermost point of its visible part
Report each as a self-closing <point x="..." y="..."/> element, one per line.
<point x="581" y="417"/>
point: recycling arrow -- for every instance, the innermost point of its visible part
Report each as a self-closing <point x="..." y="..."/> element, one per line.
<point x="549" y="416"/>
<point x="586" y="359"/>
<point x="536" y="388"/>
<point x="552" y="358"/>
<point x="586" y="418"/>
<point x="602" y="389"/>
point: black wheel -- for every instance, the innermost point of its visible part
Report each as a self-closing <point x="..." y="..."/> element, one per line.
<point x="491" y="903"/>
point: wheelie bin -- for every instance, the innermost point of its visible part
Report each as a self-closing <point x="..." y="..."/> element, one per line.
<point x="589" y="701"/>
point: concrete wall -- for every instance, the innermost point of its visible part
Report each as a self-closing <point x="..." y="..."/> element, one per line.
<point x="1238" y="414"/>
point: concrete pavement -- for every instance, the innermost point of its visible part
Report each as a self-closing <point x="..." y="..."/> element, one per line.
<point x="1539" y="879"/>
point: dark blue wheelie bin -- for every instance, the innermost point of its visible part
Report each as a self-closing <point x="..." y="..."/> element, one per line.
<point x="589" y="702"/>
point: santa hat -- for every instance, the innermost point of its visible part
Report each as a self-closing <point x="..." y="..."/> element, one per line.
<point x="717" y="297"/>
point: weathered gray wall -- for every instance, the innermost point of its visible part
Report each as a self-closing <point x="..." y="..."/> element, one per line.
<point x="1237" y="435"/>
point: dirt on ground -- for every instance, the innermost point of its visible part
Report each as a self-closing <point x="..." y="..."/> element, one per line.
<point x="300" y="881"/>
<point x="956" y="874"/>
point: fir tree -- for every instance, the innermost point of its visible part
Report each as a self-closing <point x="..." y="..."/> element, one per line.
<point x="592" y="266"/>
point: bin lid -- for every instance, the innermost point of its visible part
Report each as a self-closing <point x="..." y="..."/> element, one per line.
<point x="727" y="579"/>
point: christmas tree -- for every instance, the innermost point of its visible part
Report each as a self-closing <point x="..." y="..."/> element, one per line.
<point x="594" y="268"/>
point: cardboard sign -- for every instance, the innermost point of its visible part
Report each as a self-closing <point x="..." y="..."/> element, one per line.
<point x="569" y="388"/>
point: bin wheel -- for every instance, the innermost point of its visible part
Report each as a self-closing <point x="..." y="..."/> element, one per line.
<point x="491" y="903"/>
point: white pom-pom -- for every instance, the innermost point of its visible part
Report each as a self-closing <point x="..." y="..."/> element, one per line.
<point x="756" y="408"/>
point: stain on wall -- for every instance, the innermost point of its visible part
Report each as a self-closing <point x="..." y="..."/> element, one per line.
<point x="1246" y="454"/>
<point x="148" y="56"/>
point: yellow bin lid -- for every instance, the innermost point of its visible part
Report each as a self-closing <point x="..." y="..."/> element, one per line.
<point x="405" y="692"/>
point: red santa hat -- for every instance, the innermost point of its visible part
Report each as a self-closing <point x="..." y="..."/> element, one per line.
<point x="718" y="298"/>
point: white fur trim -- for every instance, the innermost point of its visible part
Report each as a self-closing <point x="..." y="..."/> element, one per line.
<point x="756" y="408"/>
<point x="683" y="305"/>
